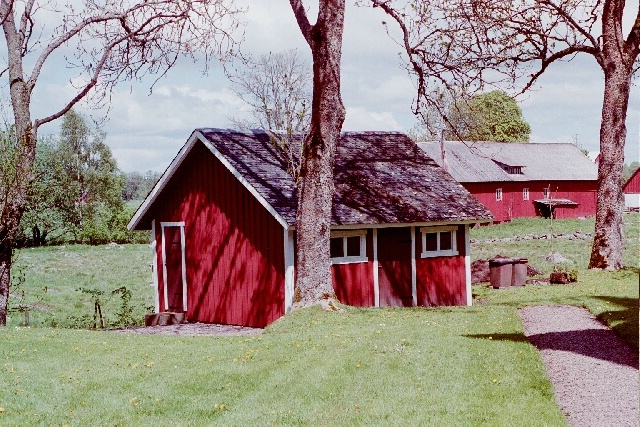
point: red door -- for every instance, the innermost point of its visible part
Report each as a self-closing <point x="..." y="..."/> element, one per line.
<point x="173" y="268"/>
<point x="394" y="267"/>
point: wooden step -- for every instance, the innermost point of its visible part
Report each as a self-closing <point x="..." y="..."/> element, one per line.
<point x="164" y="319"/>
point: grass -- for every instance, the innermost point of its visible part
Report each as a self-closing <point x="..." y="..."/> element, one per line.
<point x="362" y="367"/>
<point x="50" y="281"/>
<point x="577" y="251"/>
<point x="421" y="366"/>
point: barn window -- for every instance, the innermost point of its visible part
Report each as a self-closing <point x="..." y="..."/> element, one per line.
<point x="348" y="246"/>
<point x="438" y="241"/>
<point x="525" y="194"/>
<point x="545" y="192"/>
<point x="498" y="194"/>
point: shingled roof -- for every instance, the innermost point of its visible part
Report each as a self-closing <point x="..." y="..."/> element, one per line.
<point x="481" y="161"/>
<point x="380" y="178"/>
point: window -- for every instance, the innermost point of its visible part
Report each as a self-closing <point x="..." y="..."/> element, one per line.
<point x="525" y="194"/>
<point x="511" y="170"/>
<point x="545" y="192"/>
<point x="498" y="194"/>
<point x="348" y="246"/>
<point x="438" y="241"/>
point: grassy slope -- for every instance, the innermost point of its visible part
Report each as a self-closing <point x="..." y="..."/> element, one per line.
<point x="446" y="366"/>
<point x="54" y="275"/>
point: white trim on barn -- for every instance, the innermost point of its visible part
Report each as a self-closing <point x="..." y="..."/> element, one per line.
<point x="376" y="283"/>
<point x="181" y="225"/>
<point x="243" y="181"/>
<point x="467" y="264"/>
<point x="289" y="271"/>
<point x="414" y="274"/>
<point x="154" y="267"/>
<point x="346" y="258"/>
<point x="453" y="251"/>
<point x="177" y="161"/>
<point x="408" y="224"/>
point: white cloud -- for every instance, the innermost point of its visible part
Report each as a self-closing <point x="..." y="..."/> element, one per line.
<point x="359" y="119"/>
<point x="146" y="131"/>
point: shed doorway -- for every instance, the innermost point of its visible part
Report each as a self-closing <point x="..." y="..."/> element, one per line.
<point x="394" y="267"/>
<point x="174" y="268"/>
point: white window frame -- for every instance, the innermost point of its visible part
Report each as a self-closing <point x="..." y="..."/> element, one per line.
<point x="498" y="194"/>
<point x="344" y="234"/>
<point x="525" y="194"/>
<point x="180" y="225"/>
<point x="545" y="193"/>
<point x="437" y="230"/>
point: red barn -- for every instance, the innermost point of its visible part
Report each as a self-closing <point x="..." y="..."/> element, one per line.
<point x="515" y="180"/>
<point x="632" y="191"/>
<point x="222" y="221"/>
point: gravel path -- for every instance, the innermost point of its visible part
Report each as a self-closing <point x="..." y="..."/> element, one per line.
<point x="594" y="373"/>
<point x="191" y="330"/>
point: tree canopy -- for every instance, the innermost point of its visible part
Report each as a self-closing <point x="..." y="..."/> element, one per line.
<point x="491" y="116"/>
<point x="468" y="46"/>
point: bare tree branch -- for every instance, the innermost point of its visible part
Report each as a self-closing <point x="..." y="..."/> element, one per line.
<point x="303" y="21"/>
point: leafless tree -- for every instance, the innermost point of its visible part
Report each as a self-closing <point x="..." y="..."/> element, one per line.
<point x="277" y="88"/>
<point x="316" y="187"/>
<point x="103" y="43"/>
<point x="469" y="45"/>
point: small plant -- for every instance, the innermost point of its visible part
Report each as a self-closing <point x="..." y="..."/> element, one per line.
<point x="96" y="296"/>
<point x="19" y="298"/>
<point x="124" y="317"/>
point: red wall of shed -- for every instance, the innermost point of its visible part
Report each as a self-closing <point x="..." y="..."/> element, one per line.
<point x="353" y="283"/>
<point x="633" y="185"/>
<point x="512" y="204"/>
<point x="441" y="281"/>
<point x="234" y="246"/>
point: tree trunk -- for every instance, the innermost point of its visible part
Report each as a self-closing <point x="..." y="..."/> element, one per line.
<point x="316" y="188"/>
<point x="617" y="62"/>
<point x="608" y="242"/>
<point x="5" y="277"/>
<point x="15" y="197"/>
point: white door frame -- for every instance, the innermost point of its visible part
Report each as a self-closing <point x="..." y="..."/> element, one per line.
<point x="164" y="225"/>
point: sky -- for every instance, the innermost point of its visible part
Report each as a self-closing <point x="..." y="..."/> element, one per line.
<point x="146" y="129"/>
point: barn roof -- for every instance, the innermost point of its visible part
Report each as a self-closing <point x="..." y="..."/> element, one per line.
<point x="380" y="178"/>
<point x="490" y="161"/>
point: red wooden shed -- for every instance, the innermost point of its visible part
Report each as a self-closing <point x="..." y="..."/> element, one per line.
<point x="632" y="191"/>
<point x="515" y="180"/>
<point x="222" y="221"/>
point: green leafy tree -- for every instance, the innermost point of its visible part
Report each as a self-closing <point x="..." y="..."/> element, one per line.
<point x="492" y="116"/>
<point x="76" y="195"/>
<point x="103" y="43"/>
<point x="90" y="176"/>
<point x="138" y="185"/>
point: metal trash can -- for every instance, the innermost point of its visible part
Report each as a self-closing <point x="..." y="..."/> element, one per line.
<point x="519" y="272"/>
<point x="500" y="272"/>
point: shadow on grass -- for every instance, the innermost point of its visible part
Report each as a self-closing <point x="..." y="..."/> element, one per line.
<point x="596" y="343"/>
<point x="624" y="321"/>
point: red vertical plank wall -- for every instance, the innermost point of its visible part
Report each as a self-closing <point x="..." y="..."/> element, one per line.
<point x="633" y="185"/>
<point x="353" y="283"/>
<point x="512" y="204"/>
<point x="234" y="246"/>
<point x="441" y="280"/>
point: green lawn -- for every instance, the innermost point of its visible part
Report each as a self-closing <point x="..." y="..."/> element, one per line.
<point x="444" y="366"/>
